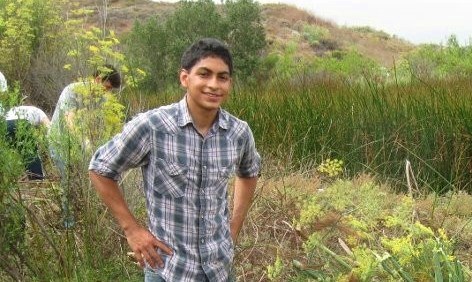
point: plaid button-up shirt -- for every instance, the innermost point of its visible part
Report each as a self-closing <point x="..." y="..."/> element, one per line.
<point x="185" y="183"/>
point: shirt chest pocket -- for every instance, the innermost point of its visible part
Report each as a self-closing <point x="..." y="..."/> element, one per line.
<point x="170" y="178"/>
<point x="220" y="184"/>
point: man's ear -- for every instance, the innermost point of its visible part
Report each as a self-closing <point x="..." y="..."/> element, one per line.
<point x="183" y="76"/>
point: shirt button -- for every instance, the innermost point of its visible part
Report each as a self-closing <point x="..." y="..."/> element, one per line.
<point x="203" y="191"/>
<point x="203" y="241"/>
<point x="204" y="167"/>
<point x="202" y="215"/>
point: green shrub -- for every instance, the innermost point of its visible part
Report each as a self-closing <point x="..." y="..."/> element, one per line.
<point x="245" y="35"/>
<point x="313" y="34"/>
<point x="25" y="28"/>
<point x="438" y="62"/>
<point x="157" y="44"/>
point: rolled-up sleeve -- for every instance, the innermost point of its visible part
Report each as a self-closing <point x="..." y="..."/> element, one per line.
<point x="126" y="150"/>
<point x="250" y="164"/>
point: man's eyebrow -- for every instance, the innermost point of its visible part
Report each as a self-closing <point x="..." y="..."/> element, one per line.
<point x="209" y="70"/>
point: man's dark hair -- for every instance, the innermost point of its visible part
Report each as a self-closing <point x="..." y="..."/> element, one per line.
<point x="109" y="73"/>
<point x="204" y="48"/>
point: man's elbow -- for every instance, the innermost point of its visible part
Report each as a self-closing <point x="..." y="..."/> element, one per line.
<point x="96" y="178"/>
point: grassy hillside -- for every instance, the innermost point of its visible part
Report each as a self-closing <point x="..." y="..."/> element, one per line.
<point x="283" y="24"/>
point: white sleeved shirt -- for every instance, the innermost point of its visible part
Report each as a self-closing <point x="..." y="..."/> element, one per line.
<point x="30" y="113"/>
<point x="3" y="83"/>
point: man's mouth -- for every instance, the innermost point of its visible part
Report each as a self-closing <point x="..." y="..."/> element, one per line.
<point x="213" y="95"/>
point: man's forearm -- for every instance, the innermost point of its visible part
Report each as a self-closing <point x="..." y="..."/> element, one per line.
<point x="143" y="244"/>
<point x="111" y="196"/>
<point x="243" y="193"/>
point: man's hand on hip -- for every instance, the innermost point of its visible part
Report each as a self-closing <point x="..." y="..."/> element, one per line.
<point x="145" y="247"/>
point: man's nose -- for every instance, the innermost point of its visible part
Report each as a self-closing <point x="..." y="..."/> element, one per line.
<point x="213" y="82"/>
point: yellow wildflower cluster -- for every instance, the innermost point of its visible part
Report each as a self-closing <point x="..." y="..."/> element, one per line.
<point x="331" y="167"/>
<point x="310" y="211"/>
<point x="403" y="248"/>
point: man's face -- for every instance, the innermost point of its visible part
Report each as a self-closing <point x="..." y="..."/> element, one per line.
<point x="107" y="85"/>
<point x="207" y="83"/>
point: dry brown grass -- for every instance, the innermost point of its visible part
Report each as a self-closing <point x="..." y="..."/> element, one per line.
<point x="452" y="213"/>
<point x="269" y="229"/>
<point x="386" y="51"/>
<point x="121" y="14"/>
<point x="283" y="24"/>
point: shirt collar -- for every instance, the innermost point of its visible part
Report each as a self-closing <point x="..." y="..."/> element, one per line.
<point x="185" y="118"/>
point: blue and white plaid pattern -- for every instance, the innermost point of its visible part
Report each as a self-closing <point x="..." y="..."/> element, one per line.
<point x="185" y="182"/>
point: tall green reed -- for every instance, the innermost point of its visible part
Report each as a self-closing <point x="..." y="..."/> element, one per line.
<point x="372" y="126"/>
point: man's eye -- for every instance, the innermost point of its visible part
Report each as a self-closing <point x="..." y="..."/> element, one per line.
<point x="203" y="74"/>
<point x="223" y="77"/>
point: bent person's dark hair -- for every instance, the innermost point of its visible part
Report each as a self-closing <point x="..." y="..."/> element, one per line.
<point x="204" y="48"/>
<point x="109" y="73"/>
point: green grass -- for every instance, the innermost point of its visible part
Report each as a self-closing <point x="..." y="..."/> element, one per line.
<point x="372" y="127"/>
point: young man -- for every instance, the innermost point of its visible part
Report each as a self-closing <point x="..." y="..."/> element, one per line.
<point x="63" y="117"/>
<point x="63" y="125"/>
<point x="187" y="152"/>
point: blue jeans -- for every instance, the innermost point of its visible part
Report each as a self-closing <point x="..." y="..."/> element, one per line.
<point x="21" y="141"/>
<point x="151" y="276"/>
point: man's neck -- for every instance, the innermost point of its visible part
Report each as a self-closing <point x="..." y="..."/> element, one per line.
<point x="202" y="119"/>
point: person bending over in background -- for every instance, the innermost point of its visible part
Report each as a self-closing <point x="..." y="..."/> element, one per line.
<point x="63" y="125"/>
<point x="62" y="121"/>
<point x="21" y="122"/>
<point x="187" y="151"/>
